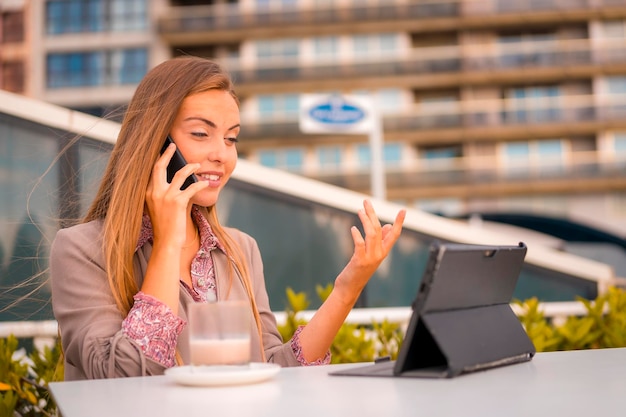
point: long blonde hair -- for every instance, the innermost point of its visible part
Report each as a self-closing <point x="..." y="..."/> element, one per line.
<point x="120" y="200"/>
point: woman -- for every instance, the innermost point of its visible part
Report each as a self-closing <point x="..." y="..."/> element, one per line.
<point x="121" y="280"/>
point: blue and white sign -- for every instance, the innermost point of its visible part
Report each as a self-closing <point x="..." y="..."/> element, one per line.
<point x="335" y="113"/>
<point x="339" y="114"/>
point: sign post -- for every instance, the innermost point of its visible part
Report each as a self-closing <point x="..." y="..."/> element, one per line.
<point x="357" y="115"/>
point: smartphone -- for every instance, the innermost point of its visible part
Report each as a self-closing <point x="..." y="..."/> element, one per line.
<point x="176" y="163"/>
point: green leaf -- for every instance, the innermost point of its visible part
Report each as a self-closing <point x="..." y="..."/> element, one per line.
<point x="297" y="301"/>
<point x="323" y="292"/>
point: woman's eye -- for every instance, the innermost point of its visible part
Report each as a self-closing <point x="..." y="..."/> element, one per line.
<point x="232" y="140"/>
<point x="199" y="134"/>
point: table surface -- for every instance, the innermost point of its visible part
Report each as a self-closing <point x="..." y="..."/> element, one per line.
<point x="573" y="383"/>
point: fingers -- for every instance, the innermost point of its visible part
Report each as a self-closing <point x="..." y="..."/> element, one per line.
<point x="159" y="173"/>
<point x="378" y="237"/>
<point x="371" y="224"/>
<point x="359" y="243"/>
<point x="391" y="233"/>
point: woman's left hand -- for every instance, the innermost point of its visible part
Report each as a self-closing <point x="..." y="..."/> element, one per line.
<point x="369" y="251"/>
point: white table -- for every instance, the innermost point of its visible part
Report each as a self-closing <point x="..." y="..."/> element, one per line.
<point x="575" y="383"/>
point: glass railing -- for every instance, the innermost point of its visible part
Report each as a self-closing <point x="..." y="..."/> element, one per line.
<point x="564" y="109"/>
<point x="481" y="171"/>
<point x="439" y="64"/>
<point x="302" y="226"/>
<point x="189" y="19"/>
<point x="493" y="115"/>
<point x="291" y="261"/>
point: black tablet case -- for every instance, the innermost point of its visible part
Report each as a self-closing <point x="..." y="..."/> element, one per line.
<point x="462" y="321"/>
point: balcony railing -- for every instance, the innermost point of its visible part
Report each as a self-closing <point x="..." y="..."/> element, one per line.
<point x="466" y="63"/>
<point x="596" y="169"/>
<point x="45" y="333"/>
<point x="563" y="109"/>
<point x="566" y="111"/>
<point x="189" y="19"/>
<point x="502" y="120"/>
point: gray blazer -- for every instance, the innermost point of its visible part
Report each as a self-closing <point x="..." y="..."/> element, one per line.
<point x="90" y="323"/>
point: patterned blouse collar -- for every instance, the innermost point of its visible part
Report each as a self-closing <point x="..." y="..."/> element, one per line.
<point x="208" y="240"/>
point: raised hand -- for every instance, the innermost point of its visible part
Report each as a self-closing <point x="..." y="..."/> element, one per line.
<point x="369" y="251"/>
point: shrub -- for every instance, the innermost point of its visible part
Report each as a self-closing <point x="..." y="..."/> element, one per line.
<point x="24" y="379"/>
<point x="353" y="343"/>
<point x="604" y="325"/>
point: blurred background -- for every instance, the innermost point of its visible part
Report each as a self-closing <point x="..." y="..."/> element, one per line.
<point x="499" y="116"/>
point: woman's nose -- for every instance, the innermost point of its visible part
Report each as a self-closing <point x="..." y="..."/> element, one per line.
<point x="216" y="151"/>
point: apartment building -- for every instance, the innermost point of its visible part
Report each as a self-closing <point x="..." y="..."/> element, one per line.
<point x="487" y="105"/>
<point x="14" y="46"/>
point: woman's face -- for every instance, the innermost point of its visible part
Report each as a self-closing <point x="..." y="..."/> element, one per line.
<point x="205" y="131"/>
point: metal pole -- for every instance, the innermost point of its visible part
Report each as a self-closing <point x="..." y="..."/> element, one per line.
<point x="376" y="140"/>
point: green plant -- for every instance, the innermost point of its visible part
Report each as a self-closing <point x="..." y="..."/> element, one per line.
<point x="603" y="325"/>
<point x="353" y="343"/>
<point x="296" y="302"/>
<point x="24" y="379"/>
<point x="539" y="330"/>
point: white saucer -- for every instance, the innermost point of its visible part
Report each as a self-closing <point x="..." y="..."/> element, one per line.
<point x="217" y="375"/>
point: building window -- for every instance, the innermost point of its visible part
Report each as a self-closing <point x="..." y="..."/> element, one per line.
<point x="275" y="4"/>
<point x="516" y="158"/>
<point x="326" y="47"/>
<point x="73" y="16"/>
<point x="619" y="146"/>
<point x="616" y="84"/>
<point x="79" y="16"/>
<point x="329" y="156"/>
<point x="12" y="27"/>
<point x="130" y="65"/>
<point x="525" y="159"/>
<point x="441" y="156"/>
<point x="619" y="143"/>
<point x="392" y="154"/>
<point x="268" y="158"/>
<point x="614" y="29"/>
<point x="441" y="109"/>
<point x="127" y="15"/>
<point x="284" y="105"/>
<point x="100" y="68"/>
<point x="290" y="159"/>
<point x="73" y="69"/>
<point x="375" y="44"/>
<point x="532" y="104"/>
<point x="283" y="48"/>
<point x="526" y="49"/>
<point x="13" y="76"/>
<point x="388" y="100"/>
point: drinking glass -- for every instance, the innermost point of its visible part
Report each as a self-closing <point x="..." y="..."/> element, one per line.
<point x="219" y="333"/>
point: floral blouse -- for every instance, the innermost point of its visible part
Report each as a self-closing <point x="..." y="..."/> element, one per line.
<point x="153" y="325"/>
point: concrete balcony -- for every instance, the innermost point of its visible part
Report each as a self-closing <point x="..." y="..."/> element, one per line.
<point x="435" y="67"/>
<point x="193" y="25"/>
<point x="475" y="120"/>
<point x="466" y="124"/>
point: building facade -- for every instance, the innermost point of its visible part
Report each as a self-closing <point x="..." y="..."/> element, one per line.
<point x="487" y="105"/>
<point x="14" y="46"/>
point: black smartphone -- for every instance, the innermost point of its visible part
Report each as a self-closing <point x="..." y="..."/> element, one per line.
<point x="176" y="163"/>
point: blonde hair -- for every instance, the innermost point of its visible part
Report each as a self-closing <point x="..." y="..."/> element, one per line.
<point x="147" y="121"/>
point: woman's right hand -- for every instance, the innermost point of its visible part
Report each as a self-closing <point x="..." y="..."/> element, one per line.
<point x="169" y="207"/>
